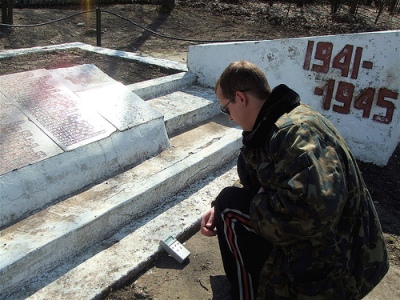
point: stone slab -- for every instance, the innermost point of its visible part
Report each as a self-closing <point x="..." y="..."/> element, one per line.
<point x="190" y="98"/>
<point x="82" y="77"/>
<point x="55" y="109"/>
<point x="60" y="231"/>
<point x="109" y="98"/>
<point x="119" y="106"/>
<point x="186" y="107"/>
<point x="64" y="130"/>
<point x="21" y="141"/>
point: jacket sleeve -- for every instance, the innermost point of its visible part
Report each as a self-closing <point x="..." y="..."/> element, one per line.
<point x="305" y="187"/>
<point x="248" y="176"/>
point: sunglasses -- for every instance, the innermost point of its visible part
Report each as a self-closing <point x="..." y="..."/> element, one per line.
<point x="225" y="109"/>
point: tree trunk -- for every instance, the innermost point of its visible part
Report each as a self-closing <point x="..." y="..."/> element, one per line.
<point x="380" y="11"/>
<point x="334" y="6"/>
<point x="168" y="4"/>
<point x="392" y="6"/>
<point x="353" y="7"/>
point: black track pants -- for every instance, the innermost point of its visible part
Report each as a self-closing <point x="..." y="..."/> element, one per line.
<point x="243" y="251"/>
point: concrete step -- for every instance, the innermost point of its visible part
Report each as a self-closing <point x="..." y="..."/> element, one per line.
<point x="186" y="107"/>
<point x="128" y="253"/>
<point x="139" y="123"/>
<point x="154" y="88"/>
<point x="33" y="247"/>
<point x="179" y="99"/>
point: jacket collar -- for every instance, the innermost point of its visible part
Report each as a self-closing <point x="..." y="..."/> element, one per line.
<point x="281" y="100"/>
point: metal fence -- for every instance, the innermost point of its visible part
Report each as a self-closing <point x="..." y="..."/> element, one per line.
<point x="57" y="3"/>
<point x="390" y="19"/>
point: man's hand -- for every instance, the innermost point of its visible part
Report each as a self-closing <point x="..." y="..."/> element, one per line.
<point x="208" y="223"/>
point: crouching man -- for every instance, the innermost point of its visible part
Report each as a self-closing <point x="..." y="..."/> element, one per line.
<point x="303" y="224"/>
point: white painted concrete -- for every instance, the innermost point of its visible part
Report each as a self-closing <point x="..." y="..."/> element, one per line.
<point x="130" y="132"/>
<point x="66" y="229"/>
<point x="164" y="63"/>
<point x="160" y="86"/>
<point x="35" y="245"/>
<point x="138" y="243"/>
<point x="353" y="79"/>
<point x="186" y="107"/>
<point x="34" y="186"/>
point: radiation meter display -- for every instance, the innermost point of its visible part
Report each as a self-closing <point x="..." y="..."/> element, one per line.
<point x="175" y="249"/>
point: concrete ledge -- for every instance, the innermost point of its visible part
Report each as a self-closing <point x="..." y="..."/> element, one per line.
<point x="98" y="137"/>
<point x="164" y="63"/>
<point x="186" y="107"/>
<point x="388" y="288"/>
<point x="130" y="251"/>
<point x="352" y="79"/>
<point x="59" y="232"/>
<point x="160" y="86"/>
<point x="30" y="188"/>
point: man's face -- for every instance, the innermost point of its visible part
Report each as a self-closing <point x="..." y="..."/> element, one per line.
<point x="226" y="104"/>
<point x="231" y="107"/>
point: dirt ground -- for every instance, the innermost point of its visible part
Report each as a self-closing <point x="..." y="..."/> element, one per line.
<point x="193" y="22"/>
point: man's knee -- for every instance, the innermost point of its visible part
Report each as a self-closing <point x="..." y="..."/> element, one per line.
<point x="234" y="198"/>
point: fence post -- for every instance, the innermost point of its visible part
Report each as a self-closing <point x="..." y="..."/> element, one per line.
<point x="7" y="7"/>
<point x="98" y="26"/>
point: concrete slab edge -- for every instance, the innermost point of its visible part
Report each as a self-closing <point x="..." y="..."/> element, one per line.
<point x="183" y="121"/>
<point x="142" y="200"/>
<point x="160" y="86"/>
<point x="164" y="63"/>
<point x="133" y="253"/>
<point x="32" y="187"/>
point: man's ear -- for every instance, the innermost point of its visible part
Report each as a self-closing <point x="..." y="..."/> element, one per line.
<point x="242" y="98"/>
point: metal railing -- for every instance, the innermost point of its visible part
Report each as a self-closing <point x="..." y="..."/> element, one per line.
<point x="99" y="12"/>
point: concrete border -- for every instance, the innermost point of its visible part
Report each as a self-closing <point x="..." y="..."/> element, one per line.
<point x="164" y="63"/>
<point x="352" y="79"/>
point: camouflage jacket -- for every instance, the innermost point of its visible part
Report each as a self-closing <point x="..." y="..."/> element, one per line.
<point x="315" y="208"/>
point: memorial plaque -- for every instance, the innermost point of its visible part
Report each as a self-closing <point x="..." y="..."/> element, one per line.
<point x="21" y="142"/>
<point x="119" y="105"/>
<point x="82" y="77"/>
<point x="54" y="108"/>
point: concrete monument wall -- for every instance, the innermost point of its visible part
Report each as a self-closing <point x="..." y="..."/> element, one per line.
<point x="64" y="129"/>
<point x="352" y="79"/>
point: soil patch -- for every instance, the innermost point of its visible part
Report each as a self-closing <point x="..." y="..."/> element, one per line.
<point x="123" y="70"/>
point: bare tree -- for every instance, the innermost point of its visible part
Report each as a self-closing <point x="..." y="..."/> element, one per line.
<point x="392" y="6"/>
<point x="353" y="6"/>
<point x="334" y="6"/>
<point x="170" y="4"/>
<point x="381" y="6"/>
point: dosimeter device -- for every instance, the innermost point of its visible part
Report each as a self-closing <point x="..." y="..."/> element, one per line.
<point x="175" y="249"/>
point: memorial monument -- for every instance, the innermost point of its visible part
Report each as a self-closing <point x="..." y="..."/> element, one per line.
<point x="64" y="129"/>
